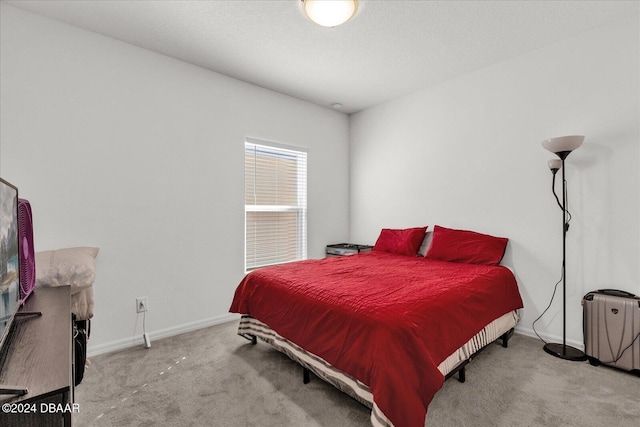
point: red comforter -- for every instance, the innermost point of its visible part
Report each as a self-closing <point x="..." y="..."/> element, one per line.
<point x="386" y="320"/>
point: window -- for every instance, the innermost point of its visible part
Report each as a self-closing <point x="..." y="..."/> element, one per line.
<point x="275" y="204"/>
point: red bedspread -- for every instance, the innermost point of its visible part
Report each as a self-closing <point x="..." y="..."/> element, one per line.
<point x="386" y="320"/>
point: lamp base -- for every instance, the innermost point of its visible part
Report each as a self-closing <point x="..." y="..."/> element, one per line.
<point x="565" y="352"/>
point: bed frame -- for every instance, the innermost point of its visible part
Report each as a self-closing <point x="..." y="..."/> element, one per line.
<point x="500" y="329"/>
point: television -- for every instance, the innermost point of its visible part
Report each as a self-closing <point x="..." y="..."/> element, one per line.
<point x="9" y="258"/>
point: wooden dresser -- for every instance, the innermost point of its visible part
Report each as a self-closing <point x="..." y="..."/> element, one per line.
<point x="40" y="358"/>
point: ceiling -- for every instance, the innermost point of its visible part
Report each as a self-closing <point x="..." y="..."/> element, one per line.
<point x="390" y="48"/>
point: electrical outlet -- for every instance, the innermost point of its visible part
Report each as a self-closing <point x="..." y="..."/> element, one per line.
<point x="142" y="304"/>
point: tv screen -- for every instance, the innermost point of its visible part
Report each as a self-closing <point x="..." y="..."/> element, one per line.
<point x="9" y="262"/>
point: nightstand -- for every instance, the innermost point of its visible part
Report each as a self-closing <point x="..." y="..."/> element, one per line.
<point x="341" y="249"/>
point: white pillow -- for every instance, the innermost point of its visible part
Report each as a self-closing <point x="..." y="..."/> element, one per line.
<point x="426" y="242"/>
<point x="71" y="266"/>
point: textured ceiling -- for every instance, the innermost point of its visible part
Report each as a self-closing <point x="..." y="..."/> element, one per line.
<point x="389" y="49"/>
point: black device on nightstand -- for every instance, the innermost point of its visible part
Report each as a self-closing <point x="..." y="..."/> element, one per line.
<point x="341" y="249"/>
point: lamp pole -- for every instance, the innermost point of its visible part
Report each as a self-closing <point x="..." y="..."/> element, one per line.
<point x="564" y="351"/>
<point x="564" y="263"/>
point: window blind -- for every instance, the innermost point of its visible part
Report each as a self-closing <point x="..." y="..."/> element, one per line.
<point x="275" y="204"/>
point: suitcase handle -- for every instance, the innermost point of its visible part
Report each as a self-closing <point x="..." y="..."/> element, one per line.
<point x="616" y="292"/>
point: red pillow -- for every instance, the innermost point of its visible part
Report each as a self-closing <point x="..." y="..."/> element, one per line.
<point x="402" y="242"/>
<point x="466" y="246"/>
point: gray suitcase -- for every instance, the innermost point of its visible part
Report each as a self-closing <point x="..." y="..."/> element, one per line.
<point x="612" y="329"/>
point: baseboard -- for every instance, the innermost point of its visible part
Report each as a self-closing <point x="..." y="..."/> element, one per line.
<point x="156" y="335"/>
<point x="194" y="326"/>
<point x="548" y="337"/>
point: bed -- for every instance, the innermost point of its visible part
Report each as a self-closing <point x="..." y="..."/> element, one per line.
<point x="386" y="327"/>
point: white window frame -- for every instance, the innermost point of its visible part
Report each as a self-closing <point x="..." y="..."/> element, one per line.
<point x="301" y="155"/>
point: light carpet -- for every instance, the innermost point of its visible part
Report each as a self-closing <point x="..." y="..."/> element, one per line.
<point x="213" y="377"/>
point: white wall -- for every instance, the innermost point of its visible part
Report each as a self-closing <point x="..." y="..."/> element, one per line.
<point x="467" y="154"/>
<point x="142" y="155"/>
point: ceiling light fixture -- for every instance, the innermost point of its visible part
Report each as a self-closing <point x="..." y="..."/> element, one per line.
<point x="330" y="13"/>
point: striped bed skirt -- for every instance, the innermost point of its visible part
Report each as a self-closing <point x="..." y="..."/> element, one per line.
<point x="351" y="386"/>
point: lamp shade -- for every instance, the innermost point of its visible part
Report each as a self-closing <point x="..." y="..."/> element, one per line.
<point x="330" y="13"/>
<point x="555" y="165"/>
<point x="563" y="145"/>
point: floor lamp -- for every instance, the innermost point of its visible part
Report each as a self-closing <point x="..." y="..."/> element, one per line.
<point x="562" y="147"/>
